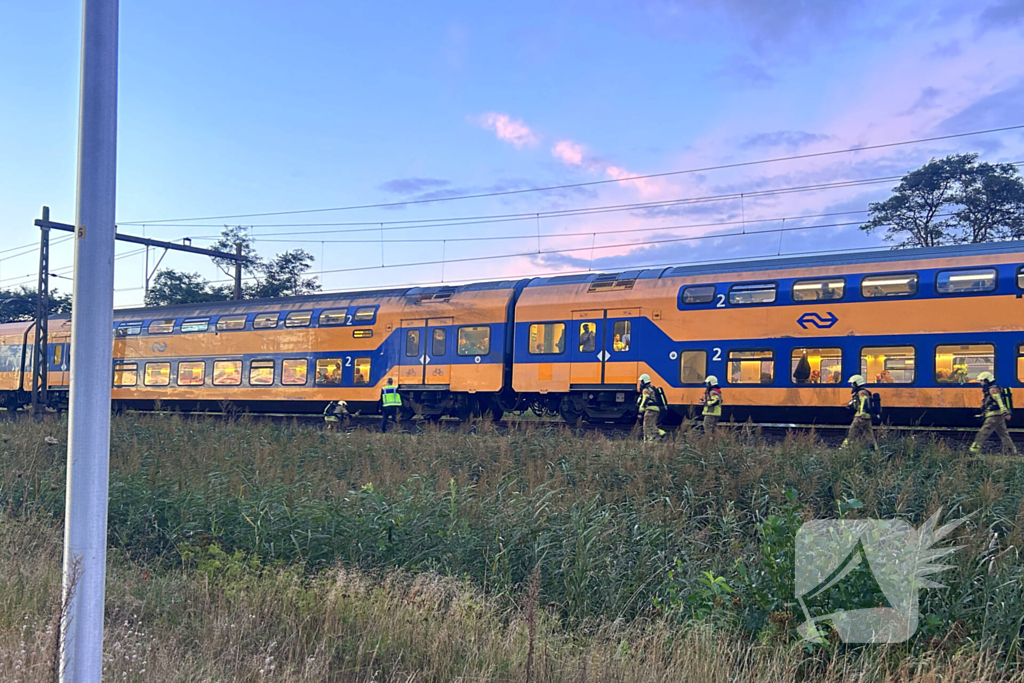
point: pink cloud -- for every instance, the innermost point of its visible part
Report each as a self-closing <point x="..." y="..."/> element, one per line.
<point x="568" y="152"/>
<point x="508" y="129"/>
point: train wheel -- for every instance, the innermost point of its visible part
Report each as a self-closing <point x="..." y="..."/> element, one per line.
<point x="11" y="402"/>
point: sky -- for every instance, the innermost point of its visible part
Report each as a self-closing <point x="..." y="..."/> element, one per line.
<point x="234" y="107"/>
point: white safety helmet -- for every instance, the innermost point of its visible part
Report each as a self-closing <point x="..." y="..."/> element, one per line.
<point x="986" y="377"/>
<point x="711" y="381"/>
<point x="644" y="379"/>
<point x="857" y="380"/>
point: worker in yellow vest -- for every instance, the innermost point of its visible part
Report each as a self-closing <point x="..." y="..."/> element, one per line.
<point x="712" y="402"/>
<point x="860" y="404"/>
<point x="649" y="407"/>
<point x="390" y="402"/>
<point x="996" y="414"/>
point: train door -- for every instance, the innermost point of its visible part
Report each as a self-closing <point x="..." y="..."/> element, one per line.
<point x="587" y="347"/>
<point x="58" y="370"/>
<point x="426" y="353"/>
<point x="621" y="356"/>
<point x="438" y="352"/>
<point x="411" y="366"/>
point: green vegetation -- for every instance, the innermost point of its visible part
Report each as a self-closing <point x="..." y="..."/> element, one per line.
<point x="240" y="546"/>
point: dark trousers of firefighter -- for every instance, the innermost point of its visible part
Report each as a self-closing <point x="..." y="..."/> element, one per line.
<point x="860" y="430"/>
<point x="388" y="414"/>
<point x="994" y="424"/>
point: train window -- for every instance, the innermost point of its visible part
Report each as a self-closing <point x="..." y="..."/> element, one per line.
<point x="751" y="367"/>
<point x="362" y="334"/>
<point x="893" y="284"/>
<point x="58" y="354"/>
<point x="231" y="322"/>
<point x="361" y="372"/>
<point x="126" y="375"/>
<point x="293" y="371"/>
<point x="261" y="373"/>
<point x="621" y="337"/>
<point x="1020" y="362"/>
<point x="128" y="329"/>
<point x="961" y="363"/>
<point x="328" y="371"/>
<point x="888" y="364"/>
<point x="265" y="321"/>
<point x="829" y="289"/>
<point x="757" y="293"/>
<point x="475" y="340"/>
<point x="412" y="343"/>
<point x="588" y="337"/>
<point x="965" y="281"/>
<point x="439" y="341"/>
<point x="817" y="366"/>
<point x="161" y="326"/>
<point x="298" y="319"/>
<point x="191" y="373"/>
<point x="1020" y="278"/>
<point x="546" y="339"/>
<point x="364" y="314"/>
<point x="157" y="375"/>
<point x="698" y="294"/>
<point x="195" y="325"/>
<point x="227" y="372"/>
<point x="333" y="317"/>
<point x="693" y="366"/>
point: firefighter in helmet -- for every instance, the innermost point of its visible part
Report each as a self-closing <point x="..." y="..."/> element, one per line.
<point x="996" y="414"/>
<point x="712" y="402"/>
<point x="649" y="408"/>
<point x="336" y="415"/>
<point x="860" y="404"/>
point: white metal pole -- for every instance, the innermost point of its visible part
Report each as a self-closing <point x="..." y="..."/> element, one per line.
<point x="85" y="523"/>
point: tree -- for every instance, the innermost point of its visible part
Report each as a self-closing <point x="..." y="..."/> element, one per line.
<point x="953" y="200"/>
<point x="284" y="275"/>
<point x="20" y="304"/>
<point x="175" y="287"/>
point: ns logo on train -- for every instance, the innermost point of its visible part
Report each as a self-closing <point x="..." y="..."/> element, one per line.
<point x="822" y="322"/>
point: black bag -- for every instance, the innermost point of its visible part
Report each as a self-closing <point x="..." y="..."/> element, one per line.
<point x="1007" y="394"/>
<point x="876" y="407"/>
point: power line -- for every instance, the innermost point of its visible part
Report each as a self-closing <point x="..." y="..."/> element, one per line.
<point x="585" y="233"/>
<point x="591" y="183"/>
<point x="574" y="249"/>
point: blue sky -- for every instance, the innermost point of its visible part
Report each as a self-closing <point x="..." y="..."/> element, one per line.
<point x="245" y="107"/>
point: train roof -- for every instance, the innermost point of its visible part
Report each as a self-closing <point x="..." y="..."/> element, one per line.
<point x="785" y="262"/>
<point x="366" y="295"/>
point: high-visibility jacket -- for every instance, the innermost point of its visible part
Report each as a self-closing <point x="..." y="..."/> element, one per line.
<point x="992" y="403"/>
<point x="389" y="397"/>
<point x="713" y="401"/>
<point x="861" y="403"/>
<point x="648" y="401"/>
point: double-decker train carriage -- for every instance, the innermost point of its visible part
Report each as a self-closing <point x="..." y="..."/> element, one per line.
<point x="781" y="334"/>
<point x="17" y="341"/>
<point x="445" y="347"/>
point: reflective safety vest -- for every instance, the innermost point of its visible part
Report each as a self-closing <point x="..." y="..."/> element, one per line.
<point x="713" y="402"/>
<point x="992" y="403"/>
<point x="389" y="397"/>
<point x="861" y="403"/>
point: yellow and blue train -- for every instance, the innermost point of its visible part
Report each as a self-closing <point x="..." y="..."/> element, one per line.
<point x="782" y="335"/>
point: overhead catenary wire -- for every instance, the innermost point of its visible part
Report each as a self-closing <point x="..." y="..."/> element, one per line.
<point x="572" y="249"/>
<point x="590" y="183"/>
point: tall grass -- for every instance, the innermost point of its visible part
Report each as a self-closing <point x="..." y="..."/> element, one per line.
<point x="623" y="536"/>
